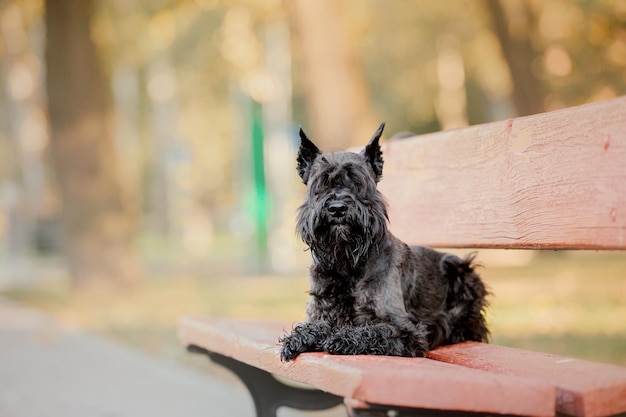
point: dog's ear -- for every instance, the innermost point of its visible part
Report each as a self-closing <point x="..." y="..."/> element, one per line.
<point x="306" y="155"/>
<point x="374" y="154"/>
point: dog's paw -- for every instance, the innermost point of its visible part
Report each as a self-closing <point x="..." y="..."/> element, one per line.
<point x="305" y="337"/>
<point x="362" y="341"/>
<point x="291" y="347"/>
<point x="287" y="355"/>
<point x="344" y="342"/>
<point x="380" y="339"/>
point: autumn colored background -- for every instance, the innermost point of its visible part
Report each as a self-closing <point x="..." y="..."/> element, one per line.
<point x="147" y="148"/>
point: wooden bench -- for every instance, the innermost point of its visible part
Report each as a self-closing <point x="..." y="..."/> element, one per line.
<point x="550" y="181"/>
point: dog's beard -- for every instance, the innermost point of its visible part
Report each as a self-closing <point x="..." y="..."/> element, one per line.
<point x="340" y="244"/>
<point x="344" y="242"/>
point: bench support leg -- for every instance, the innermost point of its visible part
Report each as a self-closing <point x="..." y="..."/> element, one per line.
<point x="267" y="392"/>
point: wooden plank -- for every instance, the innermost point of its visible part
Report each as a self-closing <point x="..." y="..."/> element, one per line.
<point x="553" y="180"/>
<point x="583" y="388"/>
<point x="402" y="382"/>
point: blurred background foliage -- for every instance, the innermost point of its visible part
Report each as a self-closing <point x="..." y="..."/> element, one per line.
<point x="152" y="145"/>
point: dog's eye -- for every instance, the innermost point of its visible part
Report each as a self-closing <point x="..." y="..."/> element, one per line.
<point x="355" y="179"/>
<point x="324" y="179"/>
<point x="317" y="189"/>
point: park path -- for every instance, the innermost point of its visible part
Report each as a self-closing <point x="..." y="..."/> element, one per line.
<point x="49" y="370"/>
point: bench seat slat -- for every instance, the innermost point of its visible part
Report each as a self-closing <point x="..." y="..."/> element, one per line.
<point x="552" y="180"/>
<point x="403" y="382"/>
<point x="584" y="388"/>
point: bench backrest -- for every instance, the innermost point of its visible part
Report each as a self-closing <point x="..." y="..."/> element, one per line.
<point x="553" y="180"/>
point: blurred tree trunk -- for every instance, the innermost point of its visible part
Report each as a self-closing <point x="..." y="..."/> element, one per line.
<point x="98" y="221"/>
<point x="339" y="108"/>
<point x="528" y="94"/>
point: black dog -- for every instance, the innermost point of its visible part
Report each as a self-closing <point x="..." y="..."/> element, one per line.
<point x="371" y="293"/>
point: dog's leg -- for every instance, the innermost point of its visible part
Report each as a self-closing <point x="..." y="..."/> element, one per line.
<point x="414" y="336"/>
<point x="305" y="337"/>
<point x="391" y="339"/>
<point x="466" y="300"/>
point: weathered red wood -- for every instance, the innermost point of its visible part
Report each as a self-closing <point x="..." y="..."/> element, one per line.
<point x="553" y="180"/>
<point x="583" y="388"/>
<point x="408" y="382"/>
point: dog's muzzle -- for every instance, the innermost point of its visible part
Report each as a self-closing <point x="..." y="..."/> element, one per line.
<point x="337" y="208"/>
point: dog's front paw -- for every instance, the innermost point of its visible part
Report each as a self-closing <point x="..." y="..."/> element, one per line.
<point x="291" y="347"/>
<point x="305" y="337"/>
<point x="343" y="342"/>
<point x="378" y="339"/>
<point x="362" y="340"/>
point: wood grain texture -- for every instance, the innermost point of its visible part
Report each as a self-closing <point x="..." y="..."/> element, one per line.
<point x="553" y="180"/>
<point x="408" y="382"/>
<point x="583" y="388"/>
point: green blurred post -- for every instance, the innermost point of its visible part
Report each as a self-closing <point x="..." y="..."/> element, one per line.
<point x="260" y="188"/>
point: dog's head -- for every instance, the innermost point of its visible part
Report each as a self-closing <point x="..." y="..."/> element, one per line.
<point x="371" y="156"/>
<point x="344" y="212"/>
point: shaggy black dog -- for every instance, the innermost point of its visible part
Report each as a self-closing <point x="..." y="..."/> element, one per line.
<point x="371" y="293"/>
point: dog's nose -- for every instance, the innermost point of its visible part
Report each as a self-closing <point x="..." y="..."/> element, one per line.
<point x="337" y="208"/>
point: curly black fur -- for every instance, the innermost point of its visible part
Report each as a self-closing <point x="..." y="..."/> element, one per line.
<point x="370" y="292"/>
